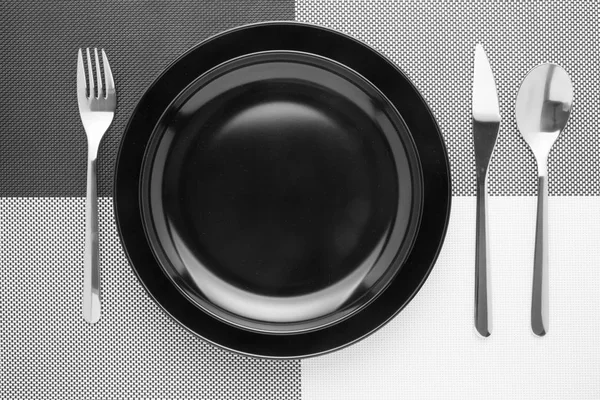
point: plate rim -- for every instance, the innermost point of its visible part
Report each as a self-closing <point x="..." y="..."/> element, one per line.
<point x="422" y="103"/>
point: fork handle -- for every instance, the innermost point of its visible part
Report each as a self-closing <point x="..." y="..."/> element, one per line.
<point x="91" y="280"/>
<point x="483" y="312"/>
<point x="539" y="300"/>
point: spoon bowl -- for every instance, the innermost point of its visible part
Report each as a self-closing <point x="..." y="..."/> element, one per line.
<point x="543" y="108"/>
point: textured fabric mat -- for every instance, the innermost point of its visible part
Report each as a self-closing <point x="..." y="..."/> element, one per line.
<point x="431" y="349"/>
<point x="434" y="43"/>
<point x="43" y="151"/>
<point x="136" y="351"/>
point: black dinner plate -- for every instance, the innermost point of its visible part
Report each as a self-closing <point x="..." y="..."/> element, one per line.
<point x="203" y="223"/>
<point x="281" y="192"/>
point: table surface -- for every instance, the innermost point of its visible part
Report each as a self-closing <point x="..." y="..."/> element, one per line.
<point x="431" y="349"/>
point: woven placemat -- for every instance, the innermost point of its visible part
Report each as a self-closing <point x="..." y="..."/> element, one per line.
<point x="44" y="147"/>
<point x="434" y="43"/>
<point x="135" y="351"/>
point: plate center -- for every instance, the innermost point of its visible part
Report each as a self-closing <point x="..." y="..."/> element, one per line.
<point x="284" y="194"/>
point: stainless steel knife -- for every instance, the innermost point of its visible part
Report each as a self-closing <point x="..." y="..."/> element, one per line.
<point x="486" y="124"/>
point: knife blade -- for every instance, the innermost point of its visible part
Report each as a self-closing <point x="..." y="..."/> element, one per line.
<point x="486" y="125"/>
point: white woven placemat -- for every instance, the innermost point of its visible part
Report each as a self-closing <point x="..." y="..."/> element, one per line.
<point x="431" y="349"/>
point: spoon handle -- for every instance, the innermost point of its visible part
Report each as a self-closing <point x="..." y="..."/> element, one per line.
<point x="539" y="301"/>
<point x="483" y="314"/>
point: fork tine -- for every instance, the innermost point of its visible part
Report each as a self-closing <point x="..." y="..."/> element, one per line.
<point x="98" y="76"/>
<point x="81" y="85"/>
<point x="90" y="73"/>
<point x="109" y="82"/>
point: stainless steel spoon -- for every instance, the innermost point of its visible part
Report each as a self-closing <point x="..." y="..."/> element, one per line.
<point x="543" y="108"/>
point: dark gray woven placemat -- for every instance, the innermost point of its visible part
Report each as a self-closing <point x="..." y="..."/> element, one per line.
<point x="43" y="151"/>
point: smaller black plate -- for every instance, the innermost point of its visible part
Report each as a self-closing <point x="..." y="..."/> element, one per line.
<point x="281" y="192"/>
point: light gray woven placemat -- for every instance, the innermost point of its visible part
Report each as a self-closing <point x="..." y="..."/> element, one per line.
<point x="434" y="43"/>
<point x="136" y="351"/>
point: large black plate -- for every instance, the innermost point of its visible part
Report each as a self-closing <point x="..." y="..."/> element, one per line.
<point x="356" y="56"/>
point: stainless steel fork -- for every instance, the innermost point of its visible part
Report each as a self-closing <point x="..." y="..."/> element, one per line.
<point x="97" y="109"/>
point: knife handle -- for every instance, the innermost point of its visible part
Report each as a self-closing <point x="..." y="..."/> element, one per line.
<point x="539" y="300"/>
<point x="483" y="312"/>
